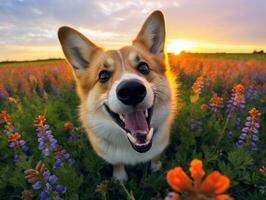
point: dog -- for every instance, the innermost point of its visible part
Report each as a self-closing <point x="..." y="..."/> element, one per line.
<point x="128" y="96"/>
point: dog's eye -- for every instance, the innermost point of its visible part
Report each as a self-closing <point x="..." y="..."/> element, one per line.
<point x="104" y="76"/>
<point x="143" y="68"/>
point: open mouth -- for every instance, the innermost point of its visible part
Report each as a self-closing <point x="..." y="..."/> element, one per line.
<point x="136" y="124"/>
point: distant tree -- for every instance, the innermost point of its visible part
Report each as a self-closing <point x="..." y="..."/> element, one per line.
<point x="258" y="52"/>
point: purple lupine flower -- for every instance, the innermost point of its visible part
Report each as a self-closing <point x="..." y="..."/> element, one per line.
<point x="37" y="185"/>
<point x="52" y="179"/>
<point x="46" y="140"/>
<point x="25" y="148"/>
<point x="60" y="189"/>
<point x="253" y="146"/>
<point x="46" y="174"/>
<point x="58" y="163"/>
<point x="253" y="92"/>
<point x="44" y="196"/>
<point x="249" y="135"/>
<point x="236" y="103"/>
<point x="48" y="186"/>
<point x="47" y="144"/>
<point x="22" y="142"/>
<point x="11" y="145"/>
<point x="41" y="145"/>
<point x="14" y="130"/>
<point x="240" y="142"/>
<point x="71" y="161"/>
<point x="62" y="156"/>
<point x="255" y="138"/>
<point x="66" y="155"/>
<point x="40" y="139"/>
<point x="19" y="143"/>
<point x="16" y="158"/>
<point x="243" y="136"/>
<point x="238" y="123"/>
<point x="46" y="126"/>
<point x="45" y="152"/>
<point x="245" y="130"/>
<point x="26" y="158"/>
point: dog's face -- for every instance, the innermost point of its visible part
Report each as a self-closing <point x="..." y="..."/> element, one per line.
<point x="125" y="92"/>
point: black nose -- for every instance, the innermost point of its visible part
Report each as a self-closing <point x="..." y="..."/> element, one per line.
<point x="131" y="92"/>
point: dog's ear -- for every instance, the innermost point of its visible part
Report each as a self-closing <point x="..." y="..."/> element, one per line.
<point x="152" y="33"/>
<point x="77" y="48"/>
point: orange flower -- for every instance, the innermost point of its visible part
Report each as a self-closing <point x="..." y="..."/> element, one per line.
<point x="223" y="197"/>
<point x="39" y="121"/>
<point x="198" y="85"/>
<point x="178" y="180"/>
<point x="204" y="107"/>
<point x="68" y="125"/>
<point x="4" y="117"/>
<point x="13" y="137"/>
<point x="196" y="170"/>
<point x="254" y="114"/>
<point x="239" y="88"/>
<point x="239" y="98"/>
<point x="214" y="185"/>
<point x="216" y="101"/>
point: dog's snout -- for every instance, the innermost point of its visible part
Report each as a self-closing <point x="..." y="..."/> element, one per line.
<point x="131" y="92"/>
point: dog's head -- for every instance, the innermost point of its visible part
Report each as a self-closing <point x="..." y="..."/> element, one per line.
<point x="126" y="91"/>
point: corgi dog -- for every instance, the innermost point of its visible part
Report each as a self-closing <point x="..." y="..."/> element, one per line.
<point x="128" y="96"/>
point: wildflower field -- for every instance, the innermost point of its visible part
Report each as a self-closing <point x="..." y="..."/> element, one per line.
<point x="217" y="149"/>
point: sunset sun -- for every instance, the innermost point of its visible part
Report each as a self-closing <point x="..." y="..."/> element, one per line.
<point x="177" y="46"/>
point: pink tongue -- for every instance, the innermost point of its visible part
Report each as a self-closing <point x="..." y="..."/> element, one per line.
<point x="136" y="122"/>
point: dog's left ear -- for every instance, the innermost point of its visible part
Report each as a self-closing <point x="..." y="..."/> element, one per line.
<point x="152" y="33"/>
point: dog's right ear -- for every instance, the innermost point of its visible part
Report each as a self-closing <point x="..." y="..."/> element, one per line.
<point x="77" y="48"/>
<point x="152" y="33"/>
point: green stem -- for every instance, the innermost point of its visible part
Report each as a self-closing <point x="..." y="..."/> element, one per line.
<point x="130" y="196"/>
<point x="224" y="128"/>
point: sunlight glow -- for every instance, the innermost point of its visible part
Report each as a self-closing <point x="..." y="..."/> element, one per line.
<point x="177" y="46"/>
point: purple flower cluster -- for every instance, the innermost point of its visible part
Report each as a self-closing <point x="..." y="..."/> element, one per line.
<point x="60" y="156"/>
<point x="238" y="123"/>
<point x="249" y="135"/>
<point x="20" y="144"/>
<point x="48" y="143"/>
<point x="235" y="104"/>
<point x="252" y="92"/>
<point x="47" y="185"/>
<point x="46" y="140"/>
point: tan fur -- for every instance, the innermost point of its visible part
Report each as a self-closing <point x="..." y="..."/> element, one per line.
<point x="109" y="144"/>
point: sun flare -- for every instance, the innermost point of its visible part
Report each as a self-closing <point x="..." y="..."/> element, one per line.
<point x="177" y="46"/>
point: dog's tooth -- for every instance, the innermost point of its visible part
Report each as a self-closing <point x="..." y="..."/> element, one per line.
<point x="146" y="113"/>
<point x="132" y="139"/>
<point x="149" y="136"/>
<point x="121" y="117"/>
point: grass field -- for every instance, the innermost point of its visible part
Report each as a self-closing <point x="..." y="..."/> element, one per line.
<point x="216" y="123"/>
<point x="245" y="56"/>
